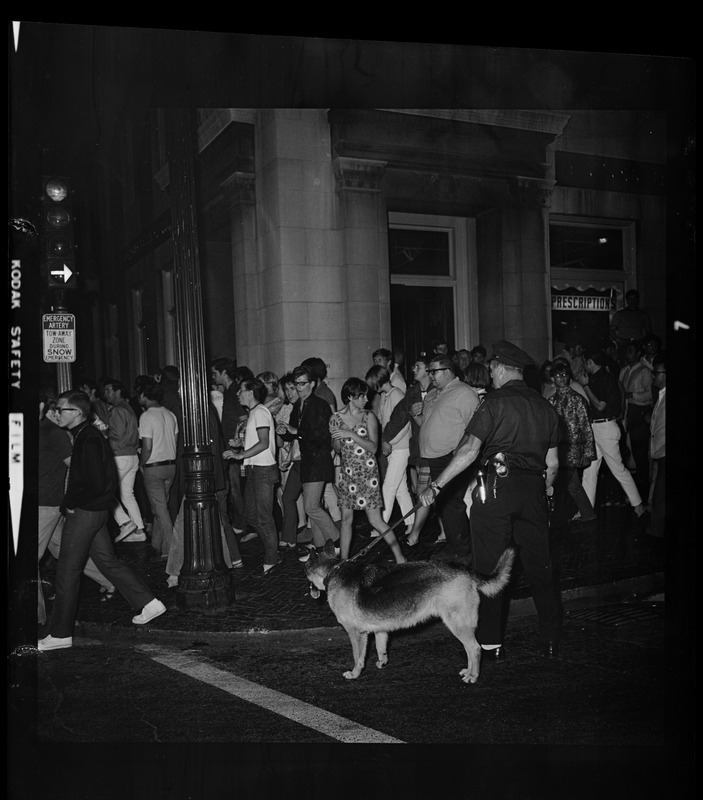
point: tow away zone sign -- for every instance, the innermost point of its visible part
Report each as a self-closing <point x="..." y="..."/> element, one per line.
<point x="59" y="337"/>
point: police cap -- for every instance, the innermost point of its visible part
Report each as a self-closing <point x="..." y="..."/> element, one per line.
<point x="511" y="355"/>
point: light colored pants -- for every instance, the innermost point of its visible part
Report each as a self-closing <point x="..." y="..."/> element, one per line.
<point x="395" y="486"/>
<point x="128" y="508"/>
<point x="51" y="522"/>
<point x="158" y="482"/>
<point x="607" y="437"/>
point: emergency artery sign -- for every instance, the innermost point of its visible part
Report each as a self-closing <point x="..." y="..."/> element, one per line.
<point x="59" y="337"/>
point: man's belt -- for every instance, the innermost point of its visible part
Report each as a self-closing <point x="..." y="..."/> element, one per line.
<point x="160" y="463"/>
<point x="603" y="419"/>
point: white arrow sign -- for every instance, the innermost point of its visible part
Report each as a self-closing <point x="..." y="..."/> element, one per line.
<point x="65" y="272"/>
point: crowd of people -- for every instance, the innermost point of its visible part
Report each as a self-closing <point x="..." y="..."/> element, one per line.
<point x="292" y="465"/>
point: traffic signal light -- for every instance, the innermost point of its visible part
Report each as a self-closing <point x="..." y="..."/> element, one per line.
<point x="56" y="233"/>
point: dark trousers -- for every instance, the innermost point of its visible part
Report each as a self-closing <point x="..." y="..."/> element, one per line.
<point x="85" y="534"/>
<point x="236" y="496"/>
<point x="517" y="514"/>
<point x="452" y="508"/>
<point x="638" y="430"/>
<point x="259" y="497"/>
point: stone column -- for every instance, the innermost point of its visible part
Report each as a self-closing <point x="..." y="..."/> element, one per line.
<point x="526" y="292"/>
<point x="204" y="580"/>
<point x="364" y="221"/>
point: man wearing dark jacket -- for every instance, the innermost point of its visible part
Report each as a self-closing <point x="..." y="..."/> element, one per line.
<point x="89" y="498"/>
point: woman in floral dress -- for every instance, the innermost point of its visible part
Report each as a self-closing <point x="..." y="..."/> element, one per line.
<point x="354" y="432"/>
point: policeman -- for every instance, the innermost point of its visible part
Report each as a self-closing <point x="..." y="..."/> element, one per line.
<point x="515" y="431"/>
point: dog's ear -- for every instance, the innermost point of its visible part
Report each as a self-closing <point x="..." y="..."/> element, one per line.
<point x="329" y="548"/>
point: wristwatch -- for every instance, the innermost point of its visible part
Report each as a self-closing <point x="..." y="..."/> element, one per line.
<point x="435" y="487"/>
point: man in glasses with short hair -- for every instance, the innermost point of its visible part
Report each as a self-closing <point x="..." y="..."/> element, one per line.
<point x="443" y="419"/>
<point x="88" y="501"/>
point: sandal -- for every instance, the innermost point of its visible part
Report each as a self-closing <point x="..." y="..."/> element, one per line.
<point x="107" y="594"/>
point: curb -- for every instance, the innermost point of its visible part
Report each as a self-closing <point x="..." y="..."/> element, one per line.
<point x="642" y="585"/>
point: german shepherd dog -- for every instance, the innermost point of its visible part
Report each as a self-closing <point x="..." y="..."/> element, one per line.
<point x="372" y="599"/>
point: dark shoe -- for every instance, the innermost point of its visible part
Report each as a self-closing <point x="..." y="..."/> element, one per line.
<point x="496" y="654"/>
<point x="273" y="569"/>
<point x="550" y="650"/>
<point x="107" y="594"/>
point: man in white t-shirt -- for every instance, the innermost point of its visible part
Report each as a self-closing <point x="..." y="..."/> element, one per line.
<point x="158" y="431"/>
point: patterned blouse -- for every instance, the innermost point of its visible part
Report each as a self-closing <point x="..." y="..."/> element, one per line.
<point x="576" y="447"/>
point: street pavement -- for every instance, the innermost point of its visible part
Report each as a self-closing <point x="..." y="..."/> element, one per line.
<point x="610" y="558"/>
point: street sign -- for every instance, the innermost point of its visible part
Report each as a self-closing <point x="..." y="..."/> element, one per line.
<point x="59" y="337"/>
<point x="60" y="274"/>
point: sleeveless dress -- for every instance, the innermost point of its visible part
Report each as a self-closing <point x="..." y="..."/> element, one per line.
<point x="358" y="484"/>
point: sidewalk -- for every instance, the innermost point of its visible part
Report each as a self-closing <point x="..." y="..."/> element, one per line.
<point x="611" y="558"/>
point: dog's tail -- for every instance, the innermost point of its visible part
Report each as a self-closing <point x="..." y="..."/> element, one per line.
<point x="500" y="576"/>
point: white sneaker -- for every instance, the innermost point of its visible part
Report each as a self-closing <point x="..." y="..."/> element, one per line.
<point x="150" y="611"/>
<point x="54" y="643"/>
<point x="126" y="530"/>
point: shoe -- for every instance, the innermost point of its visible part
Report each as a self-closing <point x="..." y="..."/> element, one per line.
<point x="496" y="654"/>
<point x="54" y="643"/>
<point x="268" y="569"/>
<point x="150" y="611"/>
<point x="286" y="546"/>
<point x="578" y="518"/>
<point x="441" y="538"/>
<point x="249" y="536"/>
<point x="550" y="650"/>
<point x="375" y="534"/>
<point x="107" y="594"/>
<point x="303" y="557"/>
<point x="125" y="530"/>
<point x="172" y="581"/>
<point x="238" y="531"/>
<point x="238" y="564"/>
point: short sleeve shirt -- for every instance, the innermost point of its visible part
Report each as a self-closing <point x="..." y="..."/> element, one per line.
<point x="260" y="417"/>
<point x="160" y="425"/>
<point x="518" y="421"/>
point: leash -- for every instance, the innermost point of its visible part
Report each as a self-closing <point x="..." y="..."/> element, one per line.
<point x="374" y="542"/>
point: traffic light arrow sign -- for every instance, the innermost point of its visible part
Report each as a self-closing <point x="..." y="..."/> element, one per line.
<point x="65" y="273"/>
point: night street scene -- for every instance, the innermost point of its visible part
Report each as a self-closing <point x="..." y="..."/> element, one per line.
<point x="337" y="417"/>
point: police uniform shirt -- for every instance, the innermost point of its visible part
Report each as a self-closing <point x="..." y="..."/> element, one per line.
<point x="517" y="421"/>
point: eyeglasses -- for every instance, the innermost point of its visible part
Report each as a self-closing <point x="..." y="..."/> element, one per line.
<point x="301" y="383"/>
<point x="67" y="408"/>
<point x="439" y="369"/>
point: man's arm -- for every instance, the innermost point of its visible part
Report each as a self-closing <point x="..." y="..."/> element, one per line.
<point x="552" y="460"/>
<point x="147" y="447"/>
<point x="464" y="456"/>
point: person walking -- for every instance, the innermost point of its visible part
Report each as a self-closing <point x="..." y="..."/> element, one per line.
<point x="515" y="431"/>
<point x="443" y="419"/>
<point x="397" y="454"/>
<point x="260" y="461"/>
<point x="158" y="430"/>
<point x="123" y="435"/>
<point x="354" y="433"/>
<point x="54" y="457"/>
<point x="657" y="449"/>
<point x="577" y="447"/>
<point x="90" y="490"/>
<point x="605" y="400"/>
<point x="636" y="382"/>
<point x="309" y="426"/>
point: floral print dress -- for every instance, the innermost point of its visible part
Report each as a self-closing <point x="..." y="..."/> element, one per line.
<point x="358" y="484"/>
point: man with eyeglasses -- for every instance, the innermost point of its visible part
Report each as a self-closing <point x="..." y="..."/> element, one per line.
<point x="443" y="418"/>
<point x="88" y="500"/>
<point x="309" y="425"/>
<point x="515" y="431"/>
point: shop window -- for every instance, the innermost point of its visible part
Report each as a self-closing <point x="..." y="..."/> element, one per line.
<point x="586" y="248"/>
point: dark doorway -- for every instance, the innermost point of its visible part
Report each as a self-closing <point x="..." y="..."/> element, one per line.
<point x="419" y="316"/>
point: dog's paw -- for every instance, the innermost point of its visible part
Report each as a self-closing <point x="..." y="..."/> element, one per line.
<point x="381" y="663"/>
<point x="467" y="676"/>
<point x="351" y="674"/>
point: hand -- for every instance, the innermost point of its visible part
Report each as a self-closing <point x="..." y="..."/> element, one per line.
<point x="229" y="455"/>
<point x="416" y="409"/>
<point x="386" y="448"/>
<point x="341" y="433"/>
<point x="427" y="497"/>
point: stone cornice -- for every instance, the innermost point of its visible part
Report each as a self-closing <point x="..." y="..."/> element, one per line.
<point x="358" y="174"/>
<point x="532" y="191"/>
<point x="550" y="122"/>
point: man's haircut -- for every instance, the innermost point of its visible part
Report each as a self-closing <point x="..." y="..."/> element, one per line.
<point x="377" y="376"/>
<point x="353" y="387"/>
<point x="257" y="386"/>
<point x="444" y="361"/>
<point x="478" y="376"/>
<point x="79" y="399"/>
<point x="117" y="386"/>
<point x="170" y="374"/>
<point x="152" y="391"/>
<point x="382" y="352"/>
<point x="225" y="365"/>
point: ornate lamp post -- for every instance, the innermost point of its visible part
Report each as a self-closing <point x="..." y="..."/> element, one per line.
<point x="204" y="580"/>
